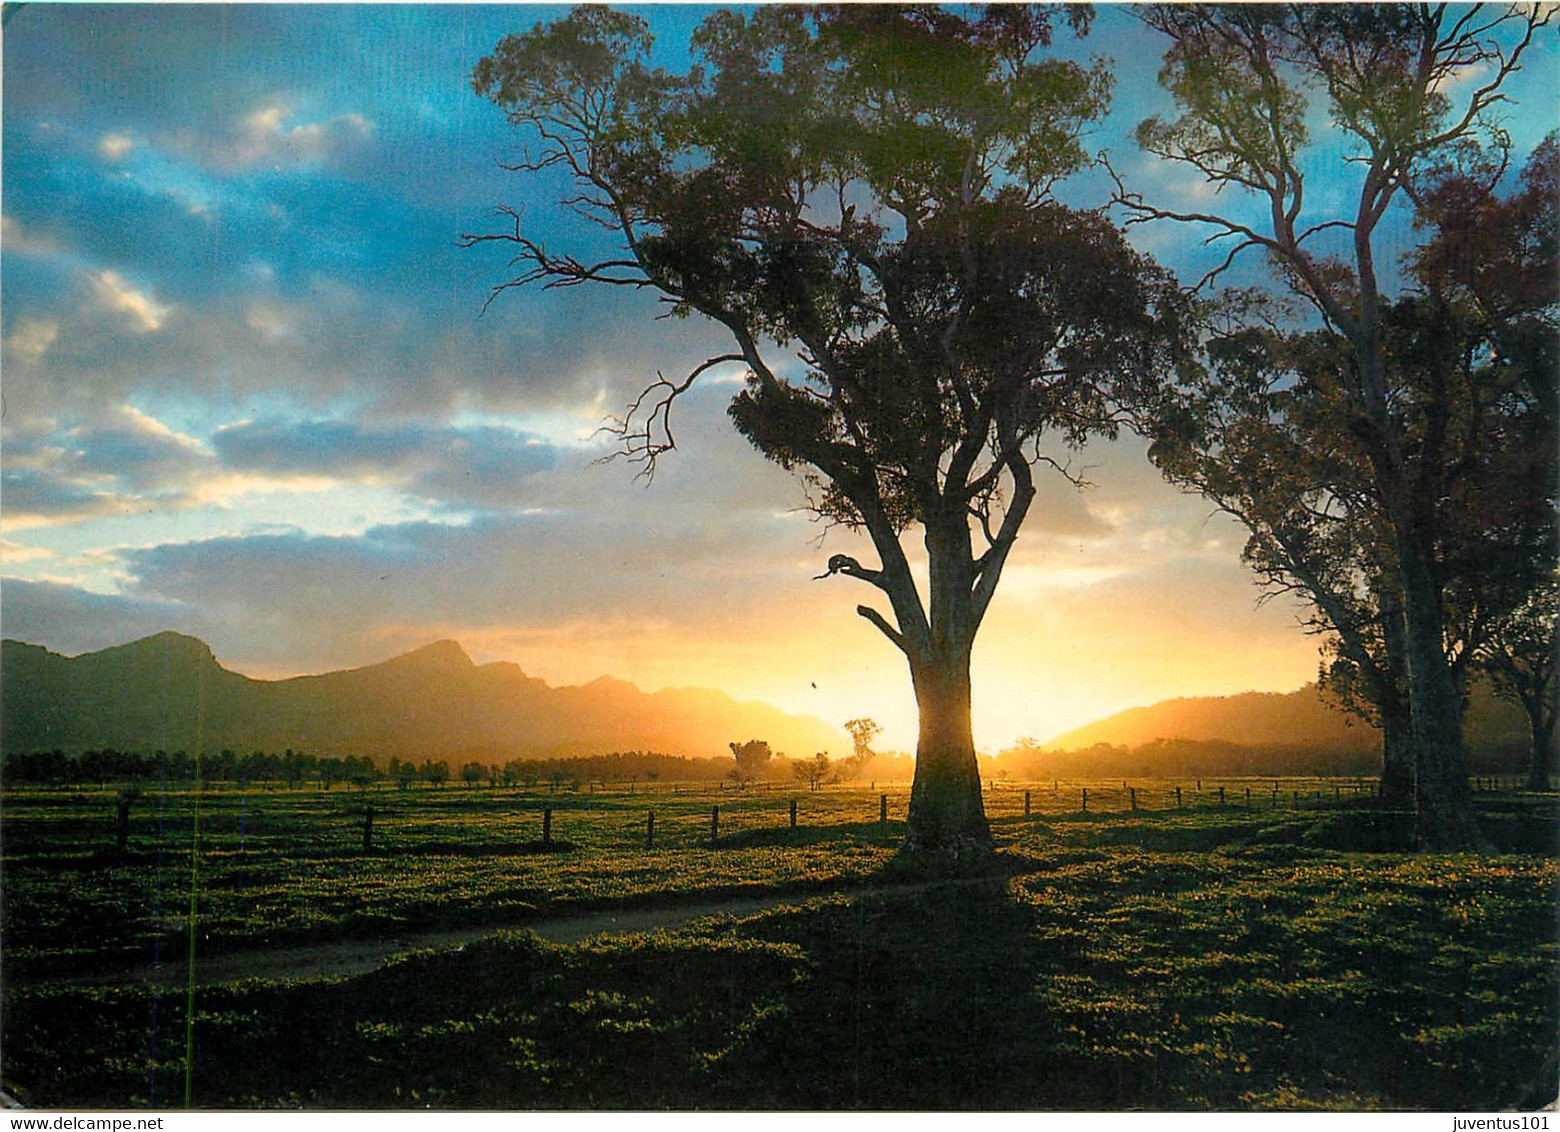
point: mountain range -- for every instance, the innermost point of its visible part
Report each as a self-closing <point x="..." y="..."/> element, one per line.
<point x="1252" y="719"/>
<point x="435" y="702"/>
<point x="156" y="693"/>
<point x="1302" y="718"/>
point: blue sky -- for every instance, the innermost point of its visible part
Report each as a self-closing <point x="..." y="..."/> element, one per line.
<point x="251" y="394"/>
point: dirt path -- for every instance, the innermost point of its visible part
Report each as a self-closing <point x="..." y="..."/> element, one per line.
<point x="355" y="957"/>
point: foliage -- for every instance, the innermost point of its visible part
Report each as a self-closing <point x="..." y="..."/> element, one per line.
<point x="813" y="771"/>
<point x="751" y="758"/>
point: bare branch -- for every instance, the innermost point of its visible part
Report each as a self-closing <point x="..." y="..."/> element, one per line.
<point x="881" y="622"/>
<point x="643" y="435"/>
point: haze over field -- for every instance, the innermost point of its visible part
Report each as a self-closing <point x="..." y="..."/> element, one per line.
<point x="251" y="396"/>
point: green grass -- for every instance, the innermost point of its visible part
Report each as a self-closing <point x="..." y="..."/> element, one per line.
<point x="288" y="867"/>
<point x="1204" y="958"/>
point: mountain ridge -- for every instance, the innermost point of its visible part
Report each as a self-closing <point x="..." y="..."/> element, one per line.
<point x="433" y="701"/>
<point x="1305" y="717"/>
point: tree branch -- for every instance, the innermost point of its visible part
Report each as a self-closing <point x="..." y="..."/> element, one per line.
<point x="888" y="630"/>
<point x="644" y="437"/>
<point x="845" y="564"/>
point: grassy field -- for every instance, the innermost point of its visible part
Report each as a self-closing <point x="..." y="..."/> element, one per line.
<point x="1277" y="949"/>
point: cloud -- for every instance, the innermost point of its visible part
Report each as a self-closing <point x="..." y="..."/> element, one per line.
<point x="35" y="498"/>
<point x="72" y="620"/>
<point x="331" y="299"/>
<point x="32" y="337"/>
<point x="268" y="136"/>
<point x="115" y="146"/>
<point x="15" y="553"/>
<point x="548" y="539"/>
<point x="20" y="239"/>
<point x="146" y="314"/>
<point x="54" y="474"/>
<point x="121" y="459"/>
<point x="474" y="466"/>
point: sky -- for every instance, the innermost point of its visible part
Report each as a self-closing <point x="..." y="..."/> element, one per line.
<point x="251" y="393"/>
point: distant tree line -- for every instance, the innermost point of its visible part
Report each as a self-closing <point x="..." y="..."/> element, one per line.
<point x="1026" y="760"/>
<point x="296" y="768"/>
<point x="111" y="765"/>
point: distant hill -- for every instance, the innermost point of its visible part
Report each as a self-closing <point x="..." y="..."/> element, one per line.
<point x="1302" y="718"/>
<point x="433" y="702"/>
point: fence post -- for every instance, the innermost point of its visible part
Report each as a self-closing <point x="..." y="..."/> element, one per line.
<point x="122" y="820"/>
<point x="882" y="809"/>
<point x="547" y="827"/>
<point x="714" y="824"/>
<point x="1248" y="797"/>
<point x="1026" y="803"/>
<point x="1178" y="797"/>
<point x="1132" y="793"/>
<point x="1085" y="799"/>
<point x="793" y="813"/>
<point x="650" y="829"/>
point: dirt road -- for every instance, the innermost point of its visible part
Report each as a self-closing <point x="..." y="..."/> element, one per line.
<point x="353" y="957"/>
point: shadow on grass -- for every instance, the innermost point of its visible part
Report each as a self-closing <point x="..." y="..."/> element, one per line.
<point x="913" y="1001"/>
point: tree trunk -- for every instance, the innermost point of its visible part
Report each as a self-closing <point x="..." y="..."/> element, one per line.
<point x="1397" y="756"/>
<point x="1543" y="732"/>
<point x="946" y="811"/>
<point x="1397" y="723"/>
<point x="1443" y="804"/>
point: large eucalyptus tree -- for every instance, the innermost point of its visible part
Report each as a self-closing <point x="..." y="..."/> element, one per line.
<point x="1407" y="89"/>
<point x="861" y="196"/>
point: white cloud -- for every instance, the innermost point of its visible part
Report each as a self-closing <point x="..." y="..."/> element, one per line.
<point x="32" y="337"/>
<point x="115" y="294"/>
<point x="225" y="488"/>
<point x="266" y="136"/>
<point x="115" y="146"/>
<point x="14" y="553"/>
<point x="22" y="240"/>
<point x="150" y="426"/>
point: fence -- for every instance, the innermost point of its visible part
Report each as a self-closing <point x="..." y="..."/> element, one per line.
<point x="474" y="820"/>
